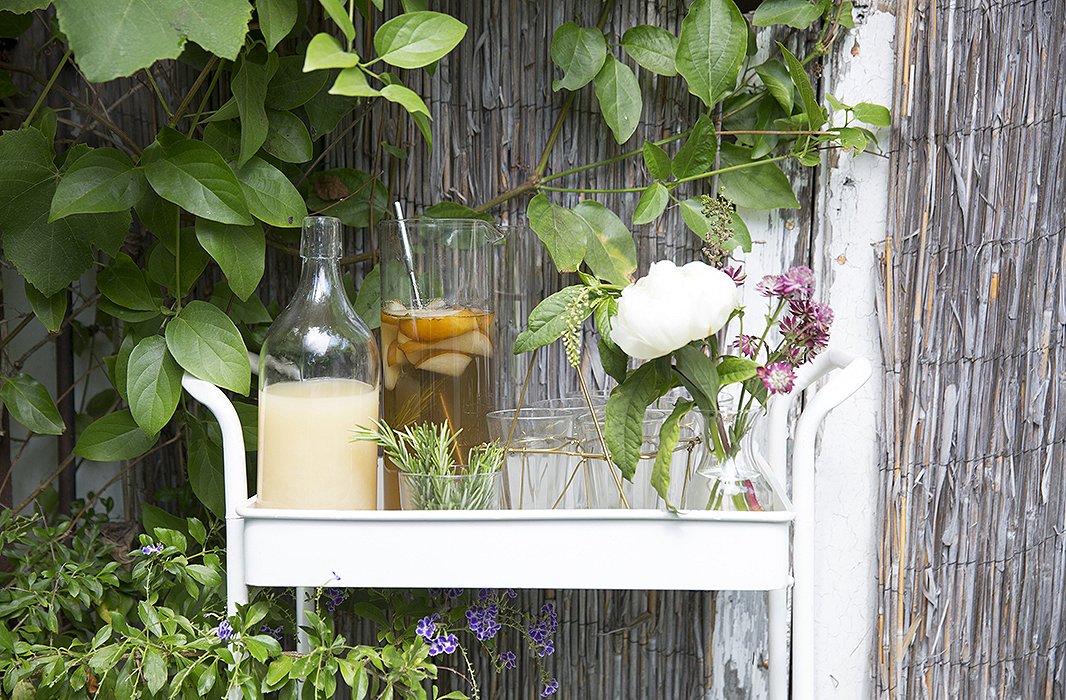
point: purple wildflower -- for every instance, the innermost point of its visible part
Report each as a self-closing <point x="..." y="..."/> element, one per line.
<point x="485" y="594"/>
<point x="550" y="688"/>
<point x="546" y="649"/>
<point x="736" y="274"/>
<point x="777" y="377"/>
<point x="427" y="627"/>
<point x="481" y="619"/>
<point x="509" y="659"/>
<point x="443" y="644"/>
<point x="767" y="286"/>
<point x="150" y="549"/>
<point x="799" y="279"/>
<point x="274" y="632"/>
<point x="224" y="631"/>
<point x="511" y="593"/>
<point x="334" y="598"/>
<point x="747" y="344"/>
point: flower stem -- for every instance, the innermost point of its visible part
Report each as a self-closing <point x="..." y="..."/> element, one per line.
<point x="47" y="88"/>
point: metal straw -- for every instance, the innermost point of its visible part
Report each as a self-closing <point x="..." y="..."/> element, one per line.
<point x="408" y="258"/>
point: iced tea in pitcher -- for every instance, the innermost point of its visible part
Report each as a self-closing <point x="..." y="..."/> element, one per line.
<point x="437" y="333"/>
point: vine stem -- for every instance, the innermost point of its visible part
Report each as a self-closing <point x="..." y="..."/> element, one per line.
<point x="47" y="87"/>
<point x="187" y="100"/>
<point x="670" y="185"/>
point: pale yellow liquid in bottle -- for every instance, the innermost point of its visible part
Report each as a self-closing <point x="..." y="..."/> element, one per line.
<point x="307" y="458"/>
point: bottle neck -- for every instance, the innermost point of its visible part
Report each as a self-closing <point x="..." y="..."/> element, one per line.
<point x="320" y="280"/>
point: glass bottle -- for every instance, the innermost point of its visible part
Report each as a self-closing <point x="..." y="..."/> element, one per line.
<point x="318" y="380"/>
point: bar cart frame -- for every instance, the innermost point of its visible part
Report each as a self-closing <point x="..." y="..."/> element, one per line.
<point x="691" y="550"/>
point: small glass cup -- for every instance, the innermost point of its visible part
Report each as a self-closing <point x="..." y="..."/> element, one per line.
<point x="538" y="475"/>
<point x="450" y="492"/>
<point x="610" y="490"/>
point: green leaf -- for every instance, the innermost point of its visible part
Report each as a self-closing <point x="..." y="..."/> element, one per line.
<point x="847" y="14"/>
<point x="270" y="195"/>
<point x="652" y="203"/>
<point x="580" y="53"/>
<point x="741" y="236"/>
<point x="326" y="52"/>
<point x="276" y="19"/>
<point x="205" y="466"/>
<point x="758" y="187"/>
<point x="799" y="14"/>
<point x="733" y="370"/>
<point x="350" y="195"/>
<point x="619" y="95"/>
<point x="711" y="48"/>
<point x="50" y="311"/>
<point x="454" y="210"/>
<point x="692" y="215"/>
<point x="697" y="155"/>
<point x="778" y="82"/>
<point x="852" y="138"/>
<point x="206" y="343"/>
<point x="193" y="175"/>
<point x="29" y="403"/>
<point x="352" y="82"/>
<point x="239" y="250"/>
<point x="288" y="139"/>
<point x="125" y="284"/>
<point x="406" y="98"/>
<point x="21" y="7"/>
<point x="250" y="90"/>
<point x="122" y="363"/>
<point x="261" y="646"/>
<point x="656" y="161"/>
<point x="102" y="180"/>
<point x="624" y="428"/>
<point x="204" y="575"/>
<point x="610" y="251"/>
<point x="277" y="672"/>
<point x="614" y="361"/>
<point x="49" y="255"/>
<point x="291" y="87"/>
<point x="562" y="232"/>
<point x="155" y="670"/>
<point x="876" y="115"/>
<point x="337" y="12"/>
<point x="153" y="517"/>
<point x="813" y="110"/>
<point x="669" y="434"/>
<point x="113" y="438"/>
<point x="368" y="300"/>
<point x="547" y="322"/>
<point x="250" y="311"/>
<point x="153" y="384"/>
<point x="163" y="265"/>
<point x="105" y="658"/>
<point x="115" y="38"/>
<point x="699" y="375"/>
<point x="416" y="39"/>
<point x="422" y="122"/>
<point x="651" y="47"/>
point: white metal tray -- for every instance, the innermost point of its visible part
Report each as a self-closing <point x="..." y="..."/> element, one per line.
<point x="610" y="549"/>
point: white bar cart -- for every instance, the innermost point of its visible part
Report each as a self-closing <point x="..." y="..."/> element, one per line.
<point x="587" y="548"/>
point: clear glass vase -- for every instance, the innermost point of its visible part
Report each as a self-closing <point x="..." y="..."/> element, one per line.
<point x="739" y="482"/>
<point x="318" y="380"/>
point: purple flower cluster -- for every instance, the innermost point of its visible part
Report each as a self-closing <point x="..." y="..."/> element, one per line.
<point x="747" y="344"/>
<point x="449" y="593"/>
<point x="481" y="619"/>
<point x="274" y="632"/>
<point x="334" y="598"/>
<point x="224" y="631"/>
<point x="550" y="688"/>
<point x="443" y="644"/>
<point x="427" y="627"/>
<point x="150" y="549"/>
<point x="806" y="329"/>
<point x="798" y="280"/>
<point x="509" y="660"/>
<point x="511" y="593"/>
<point x="541" y="630"/>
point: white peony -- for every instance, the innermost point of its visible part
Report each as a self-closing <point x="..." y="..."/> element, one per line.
<point x="670" y="307"/>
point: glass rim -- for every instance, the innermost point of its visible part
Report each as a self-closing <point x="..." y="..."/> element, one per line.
<point x="524" y="413"/>
<point x="430" y="221"/>
<point x="450" y="477"/>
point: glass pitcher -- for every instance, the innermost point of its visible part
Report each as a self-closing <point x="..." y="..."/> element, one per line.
<point x="318" y="380"/>
<point x="437" y="328"/>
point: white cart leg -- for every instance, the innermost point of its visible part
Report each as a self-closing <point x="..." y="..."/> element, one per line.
<point x="777" y="608"/>
<point x="302" y="602"/>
